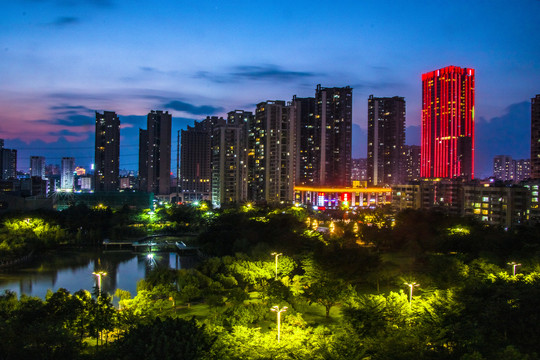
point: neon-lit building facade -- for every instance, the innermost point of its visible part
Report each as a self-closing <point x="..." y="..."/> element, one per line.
<point x="447" y="144"/>
<point x="535" y="137"/>
<point x="323" y="198"/>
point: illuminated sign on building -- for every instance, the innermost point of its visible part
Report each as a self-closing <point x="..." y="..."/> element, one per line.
<point x="320" y="199"/>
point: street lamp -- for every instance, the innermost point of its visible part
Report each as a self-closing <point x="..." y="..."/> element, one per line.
<point x="99" y="274"/>
<point x="278" y="311"/>
<point x="275" y="254"/>
<point x="514" y="265"/>
<point x="411" y="286"/>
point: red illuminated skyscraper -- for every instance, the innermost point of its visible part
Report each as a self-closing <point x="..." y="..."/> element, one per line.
<point x="448" y="123"/>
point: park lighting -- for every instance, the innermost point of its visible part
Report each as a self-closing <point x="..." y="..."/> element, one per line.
<point x="411" y="286"/>
<point x="514" y="265"/>
<point x="278" y="311"/>
<point x="99" y="274"/>
<point x="275" y="254"/>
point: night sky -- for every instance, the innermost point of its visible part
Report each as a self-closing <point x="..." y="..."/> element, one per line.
<point x="61" y="60"/>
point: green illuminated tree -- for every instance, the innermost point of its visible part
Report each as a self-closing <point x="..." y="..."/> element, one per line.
<point x="320" y="287"/>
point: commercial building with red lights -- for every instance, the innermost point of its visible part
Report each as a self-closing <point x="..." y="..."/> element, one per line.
<point x="333" y="198"/>
<point x="448" y="123"/>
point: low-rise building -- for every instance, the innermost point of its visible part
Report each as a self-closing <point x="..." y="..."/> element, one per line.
<point x="497" y="204"/>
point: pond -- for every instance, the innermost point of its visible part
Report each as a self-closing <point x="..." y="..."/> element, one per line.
<point x="72" y="270"/>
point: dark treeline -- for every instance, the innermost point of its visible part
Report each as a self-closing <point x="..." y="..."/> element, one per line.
<point x="23" y="232"/>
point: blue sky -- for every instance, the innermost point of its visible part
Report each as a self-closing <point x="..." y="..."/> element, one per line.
<point x="63" y="59"/>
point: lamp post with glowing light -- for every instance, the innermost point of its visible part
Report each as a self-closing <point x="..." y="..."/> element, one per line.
<point x="411" y="286"/>
<point x="514" y="265"/>
<point x="99" y="274"/>
<point x="278" y="311"/>
<point x="275" y="254"/>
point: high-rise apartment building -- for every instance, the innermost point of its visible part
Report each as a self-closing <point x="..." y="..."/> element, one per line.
<point x="535" y="137"/>
<point x="411" y="158"/>
<point x="107" y="151"/>
<point x="523" y="170"/>
<point x="334" y="112"/>
<point x="37" y="166"/>
<point x="359" y="170"/>
<point x="308" y="141"/>
<point x="229" y="159"/>
<point x="386" y="139"/>
<point x="503" y="168"/>
<point x="272" y="138"/>
<point x="143" y="160"/>
<point x="196" y="159"/>
<point x="155" y="153"/>
<point x="507" y="169"/>
<point x="8" y="162"/>
<point x="447" y="137"/>
<point x="66" y="176"/>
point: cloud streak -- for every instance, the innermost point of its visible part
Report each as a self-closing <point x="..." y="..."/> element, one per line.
<point x="70" y="121"/>
<point x="64" y="133"/>
<point x="265" y="72"/>
<point x="64" y="21"/>
<point x="192" y="109"/>
<point x="77" y="3"/>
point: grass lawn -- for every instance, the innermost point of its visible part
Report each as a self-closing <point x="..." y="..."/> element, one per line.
<point x="401" y="259"/>
<point x="316" y="314"/>
<point x="200" y="311"/>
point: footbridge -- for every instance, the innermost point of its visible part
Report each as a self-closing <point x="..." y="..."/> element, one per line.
<point x="154" y="243"/>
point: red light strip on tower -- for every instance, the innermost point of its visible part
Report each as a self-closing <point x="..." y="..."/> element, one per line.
<point x="447" y="122"/>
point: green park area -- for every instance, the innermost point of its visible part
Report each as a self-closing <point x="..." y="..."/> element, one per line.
<point x="285" y="283"/>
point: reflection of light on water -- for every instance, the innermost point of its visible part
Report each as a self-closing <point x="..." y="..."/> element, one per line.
<point x="151" y="260"/>
<point x="75" y="273"/>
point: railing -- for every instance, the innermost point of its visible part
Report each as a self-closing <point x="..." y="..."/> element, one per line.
<point x="13" y="262"/>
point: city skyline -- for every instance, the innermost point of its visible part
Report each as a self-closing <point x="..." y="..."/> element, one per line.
<point x="49" y="62"/>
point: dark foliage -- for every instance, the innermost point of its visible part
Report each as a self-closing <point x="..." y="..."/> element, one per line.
<point x="168" y="339"/>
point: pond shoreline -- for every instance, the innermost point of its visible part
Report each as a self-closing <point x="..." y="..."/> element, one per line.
<point x="9" y="264"/>
<point x="72" y="268"/>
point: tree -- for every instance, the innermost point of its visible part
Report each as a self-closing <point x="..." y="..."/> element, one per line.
<point x="85" y="315"/>
<point x="166" y="339"/>
<point x="321" y="287"/>
<point x="326" y="293"/>
<point x="103" y="319"/>
<point x="123" y="296"/>
<point x="29" y="330"/>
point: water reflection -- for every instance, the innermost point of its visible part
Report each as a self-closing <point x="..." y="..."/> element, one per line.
<point x="73" y="270"/>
